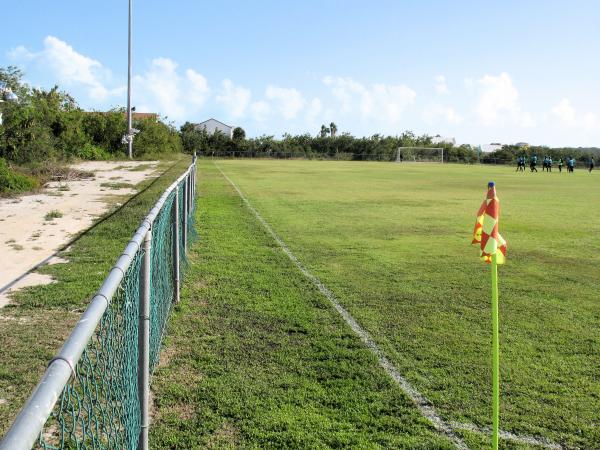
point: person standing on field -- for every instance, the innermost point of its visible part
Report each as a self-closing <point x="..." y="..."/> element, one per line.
<point x="533" y="163"/>
<point x="518" y="163"/>
<point x="549" y="164"/>
<point x="591" y="163"/>
<point x="560" y="164"/>
<point x="570" y="164"/>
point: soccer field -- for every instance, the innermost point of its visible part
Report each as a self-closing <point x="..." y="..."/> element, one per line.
<point x="392" y="242"/>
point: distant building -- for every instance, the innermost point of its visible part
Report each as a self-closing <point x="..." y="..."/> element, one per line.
<point x="134" y="115"/>
<point x="212" y="125"/>
<point x="488" y="148"/>
<point x="141" y="116"/>
<point x="521" y="144"/>
<point x="437" y="139"/>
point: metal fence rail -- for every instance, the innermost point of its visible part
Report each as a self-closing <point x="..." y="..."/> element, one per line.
<point x="95" y="391"/>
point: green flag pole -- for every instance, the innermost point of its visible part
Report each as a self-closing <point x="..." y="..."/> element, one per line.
<point x="495" y="356"/>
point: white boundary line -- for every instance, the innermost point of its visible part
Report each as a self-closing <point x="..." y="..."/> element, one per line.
<point x="422" y="403"/>
<point x="507" y="435"/>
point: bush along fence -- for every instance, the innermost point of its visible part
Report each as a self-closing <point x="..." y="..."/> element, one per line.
<point x="95" y="391"/>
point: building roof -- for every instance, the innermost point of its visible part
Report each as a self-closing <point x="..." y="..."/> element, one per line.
<point x="202" y="123"/>
<point x="134" y="116"/>
<point x="142" y="115"/>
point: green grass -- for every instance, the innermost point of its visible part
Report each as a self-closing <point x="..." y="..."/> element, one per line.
<point x="393" y="243"/>
<point x="33" y="328"/>
<point x="255" y="357"/>
<point x="116" y="185"/>
<point x="141" y="167"/>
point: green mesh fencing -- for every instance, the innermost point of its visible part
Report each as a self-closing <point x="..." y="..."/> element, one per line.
<point x="99" y="408"/>
<point x="184" y="261"/>
<point x="192" y="233"/>
<point x="162" y="279"/>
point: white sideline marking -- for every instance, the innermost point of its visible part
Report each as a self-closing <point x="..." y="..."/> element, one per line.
<point x="420" y="401"/>
<point x="423" y="404"/>
<point x="507" y="435"/>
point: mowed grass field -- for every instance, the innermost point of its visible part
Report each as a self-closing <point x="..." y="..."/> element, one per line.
<point x="392" y="242"/>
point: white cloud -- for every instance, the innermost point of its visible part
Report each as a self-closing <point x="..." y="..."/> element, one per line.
<point x="379" y="101"/>
<point x="564" y="112"/>
<point x="440" y="85"/>
<point x="590" y="121"/>
<point x="158" y="89"/>
<point x="260" y="110"/>
<point x="436" y="112"/>
<point x="70" y="67"/>
<point x="565" y="115"/>
<point x="499" y="104"/>
<point x="289" y="101"/>
<point x="234" y="98"/>
<point x="199" y="90"/>
<point x="313" y="110"/>
<point x="21" y="53"/>
<point x="163" y="90"/>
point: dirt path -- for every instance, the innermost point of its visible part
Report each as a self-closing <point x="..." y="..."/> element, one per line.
<point x="33" y="227"/>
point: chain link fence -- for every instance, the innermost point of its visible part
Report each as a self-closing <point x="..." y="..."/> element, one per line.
<point x="94" y="393"/>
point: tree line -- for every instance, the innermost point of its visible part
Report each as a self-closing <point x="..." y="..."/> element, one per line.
<point x="328" y="144"/>
<point x="46" y="127"/>
<point x="49" y="125"/>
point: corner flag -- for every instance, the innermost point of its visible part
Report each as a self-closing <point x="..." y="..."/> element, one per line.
<point x="492" y="250"/>
<point x="486" y="228"/>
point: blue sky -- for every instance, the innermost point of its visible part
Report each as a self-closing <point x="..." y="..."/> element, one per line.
<point x="479" y="71"/>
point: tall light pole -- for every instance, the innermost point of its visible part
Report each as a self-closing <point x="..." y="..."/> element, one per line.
<point x="129" y="130"/>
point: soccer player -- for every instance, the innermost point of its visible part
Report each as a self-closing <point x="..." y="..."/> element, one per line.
<point x="560" y="164"/>
<point x="549" y="165"/>
<point x="533" y="163"/>
<point x="591" y="163"/>
<point x="570" y="164"/>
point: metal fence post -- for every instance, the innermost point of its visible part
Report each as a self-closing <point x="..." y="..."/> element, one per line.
<point x="144" y="343"/>
<point x="185" y="213"/>
<point x="190" y="188"/>
<point x="176" y="238"/>
<point x="194" y="178"/>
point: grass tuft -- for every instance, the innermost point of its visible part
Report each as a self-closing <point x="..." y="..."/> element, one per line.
<point x="51" y="215"/>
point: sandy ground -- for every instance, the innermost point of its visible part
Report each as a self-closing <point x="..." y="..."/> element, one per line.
<point x="28" y="235"/>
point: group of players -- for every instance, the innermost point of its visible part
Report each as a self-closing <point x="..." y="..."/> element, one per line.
<point x="547" y="164"/>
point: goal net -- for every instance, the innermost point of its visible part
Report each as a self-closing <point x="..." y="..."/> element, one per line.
<point x="420" y="154"/>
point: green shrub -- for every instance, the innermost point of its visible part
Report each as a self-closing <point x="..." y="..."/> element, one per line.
<point x="92" y="152"/>
<point x="54" y="214"/>
<point x="12" y="181"/>
<point x="155" y="139"/>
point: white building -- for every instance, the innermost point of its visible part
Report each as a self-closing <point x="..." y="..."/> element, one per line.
<point x="488" y="148"/>
<point x="437" y="139"/>
<point x="212" y="125"/>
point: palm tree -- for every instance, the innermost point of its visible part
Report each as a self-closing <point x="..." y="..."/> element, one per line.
<point x="333" y="129"/>
<point x="324" y="131"/>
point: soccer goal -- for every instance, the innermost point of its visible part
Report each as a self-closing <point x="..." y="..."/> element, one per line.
<point x="420" y="154"/>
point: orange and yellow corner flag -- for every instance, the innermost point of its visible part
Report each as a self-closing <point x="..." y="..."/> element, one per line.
<point x="486" y="228"/>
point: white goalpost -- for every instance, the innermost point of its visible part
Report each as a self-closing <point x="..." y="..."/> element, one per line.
<point x="420" y="154"/>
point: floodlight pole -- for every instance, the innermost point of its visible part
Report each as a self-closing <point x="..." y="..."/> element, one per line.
<point x="129" y="133"/>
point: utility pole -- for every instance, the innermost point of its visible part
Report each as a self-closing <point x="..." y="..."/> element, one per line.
<point x="129" y="130"/>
